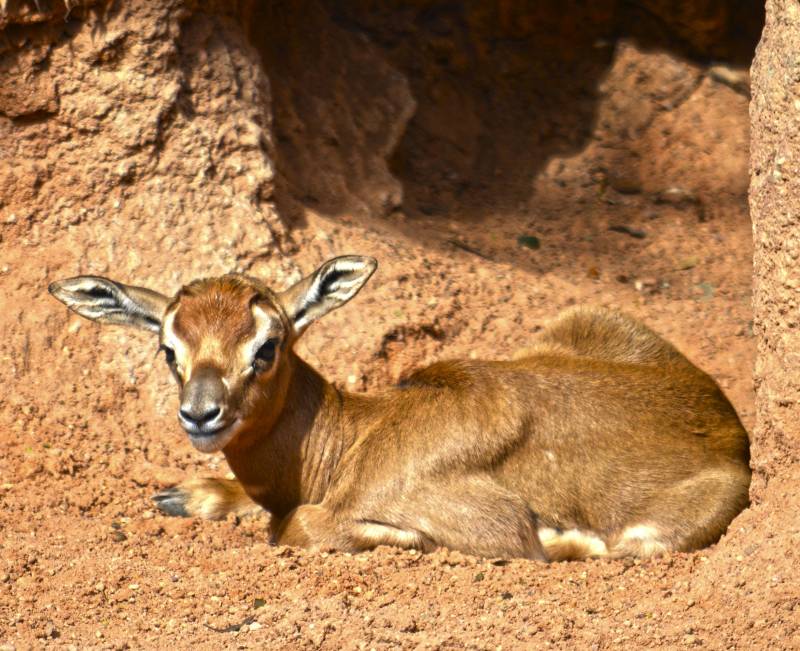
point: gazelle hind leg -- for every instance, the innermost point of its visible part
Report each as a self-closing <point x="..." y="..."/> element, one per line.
<point x="571" y="544"/>
<point x="210" y="498"/>
<point x="640" y="541"/>
<point x="689" y="515"/>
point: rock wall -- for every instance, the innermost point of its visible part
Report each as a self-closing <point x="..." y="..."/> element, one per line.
<point x="775" y="211"/>
<point x="164" y="140"/>
<point x="340" y="110"/>
<point x="130" y="113"/>
<point x="135" y="142"/>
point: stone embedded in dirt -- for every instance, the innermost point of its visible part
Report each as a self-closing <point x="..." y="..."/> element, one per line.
<point x="707" y="290"/>
<point x="649" y="285"/>
<point x="623" y="172"/>
<point x="627" y="230"/>
<point x="529" y="242"/>
<point x="676" y="197"/>
<point x="737" y="78"/>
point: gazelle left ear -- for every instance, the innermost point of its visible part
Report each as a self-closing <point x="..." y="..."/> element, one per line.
<point x="329" y="287"/>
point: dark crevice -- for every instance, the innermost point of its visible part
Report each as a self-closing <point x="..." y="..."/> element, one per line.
<point x="500" y="88"/>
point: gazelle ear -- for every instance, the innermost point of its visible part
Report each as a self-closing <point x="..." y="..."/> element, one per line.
<point x="330" y="286"/>
<point x="106" y="301"/>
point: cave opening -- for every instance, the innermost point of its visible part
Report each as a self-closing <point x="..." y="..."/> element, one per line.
<point x="473" y="102"/>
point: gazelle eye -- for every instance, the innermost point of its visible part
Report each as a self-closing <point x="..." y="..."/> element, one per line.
<point x="169" y="354"/>
<point x="265" y="355"/>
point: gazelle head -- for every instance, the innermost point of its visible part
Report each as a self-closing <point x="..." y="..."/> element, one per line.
<point x="226" y="340"/>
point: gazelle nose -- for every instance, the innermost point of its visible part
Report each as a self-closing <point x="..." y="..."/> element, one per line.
<point x="202" y="402"/>
<point x="200" y="417"/>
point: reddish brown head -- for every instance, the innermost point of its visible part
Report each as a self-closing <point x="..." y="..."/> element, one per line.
<point x="227" y="340"/>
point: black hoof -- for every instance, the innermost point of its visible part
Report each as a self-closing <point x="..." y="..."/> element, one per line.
<point x="172" y="501"/>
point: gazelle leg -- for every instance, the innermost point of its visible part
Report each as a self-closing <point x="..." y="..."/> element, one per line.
<point x="314" y="527"/>
<point x="210" y="498"/>
<point x="311" y="526"/>
<point x="689" y="515"/>
<point x="473" y="515"/>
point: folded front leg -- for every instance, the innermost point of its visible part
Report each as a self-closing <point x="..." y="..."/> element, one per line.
<point x="471" y="514"/>
<point x="210" y="498"/>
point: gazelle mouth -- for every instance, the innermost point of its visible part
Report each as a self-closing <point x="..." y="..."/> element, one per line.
<point x="200" y="433"/>
<point x="214" y="440"/>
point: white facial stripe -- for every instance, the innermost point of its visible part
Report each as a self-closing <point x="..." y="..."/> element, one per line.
<point x="264" y="329"/>
<point x="170" y="339"/>
<point x="304" y="320"/>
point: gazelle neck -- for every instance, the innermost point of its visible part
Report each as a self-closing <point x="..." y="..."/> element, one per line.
<point x="292" y="462"/>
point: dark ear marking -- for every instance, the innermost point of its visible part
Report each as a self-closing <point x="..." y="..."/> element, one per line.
<point x="301" y="313"/>
<point x="330" y="280"/>
<point x="107" y="301"/>
<point x="97" y="291"/>
<point x="331" y="286"/>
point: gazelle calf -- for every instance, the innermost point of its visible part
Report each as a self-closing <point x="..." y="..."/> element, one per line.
<point x="601" y="440"/>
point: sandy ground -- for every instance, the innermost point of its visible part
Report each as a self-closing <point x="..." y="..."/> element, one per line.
<point x="87" y="561"/>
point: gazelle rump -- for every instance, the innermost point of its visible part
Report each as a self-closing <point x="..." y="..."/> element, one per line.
<point x="600" y="440"/>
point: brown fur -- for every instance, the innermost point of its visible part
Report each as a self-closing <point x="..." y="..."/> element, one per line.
<point x="218" y="307"/>
<point x="457" y="456"/>
<point x="602" y="433"/>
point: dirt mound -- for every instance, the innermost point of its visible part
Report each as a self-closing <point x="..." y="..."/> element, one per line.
<point x="502" y="162"/>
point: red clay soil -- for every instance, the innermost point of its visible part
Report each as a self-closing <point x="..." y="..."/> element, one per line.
<point x="88" y="421"/>
<point x="87" y="560"/>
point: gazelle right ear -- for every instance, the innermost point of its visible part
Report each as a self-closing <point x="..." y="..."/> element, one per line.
<point x="106" y="301"/>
